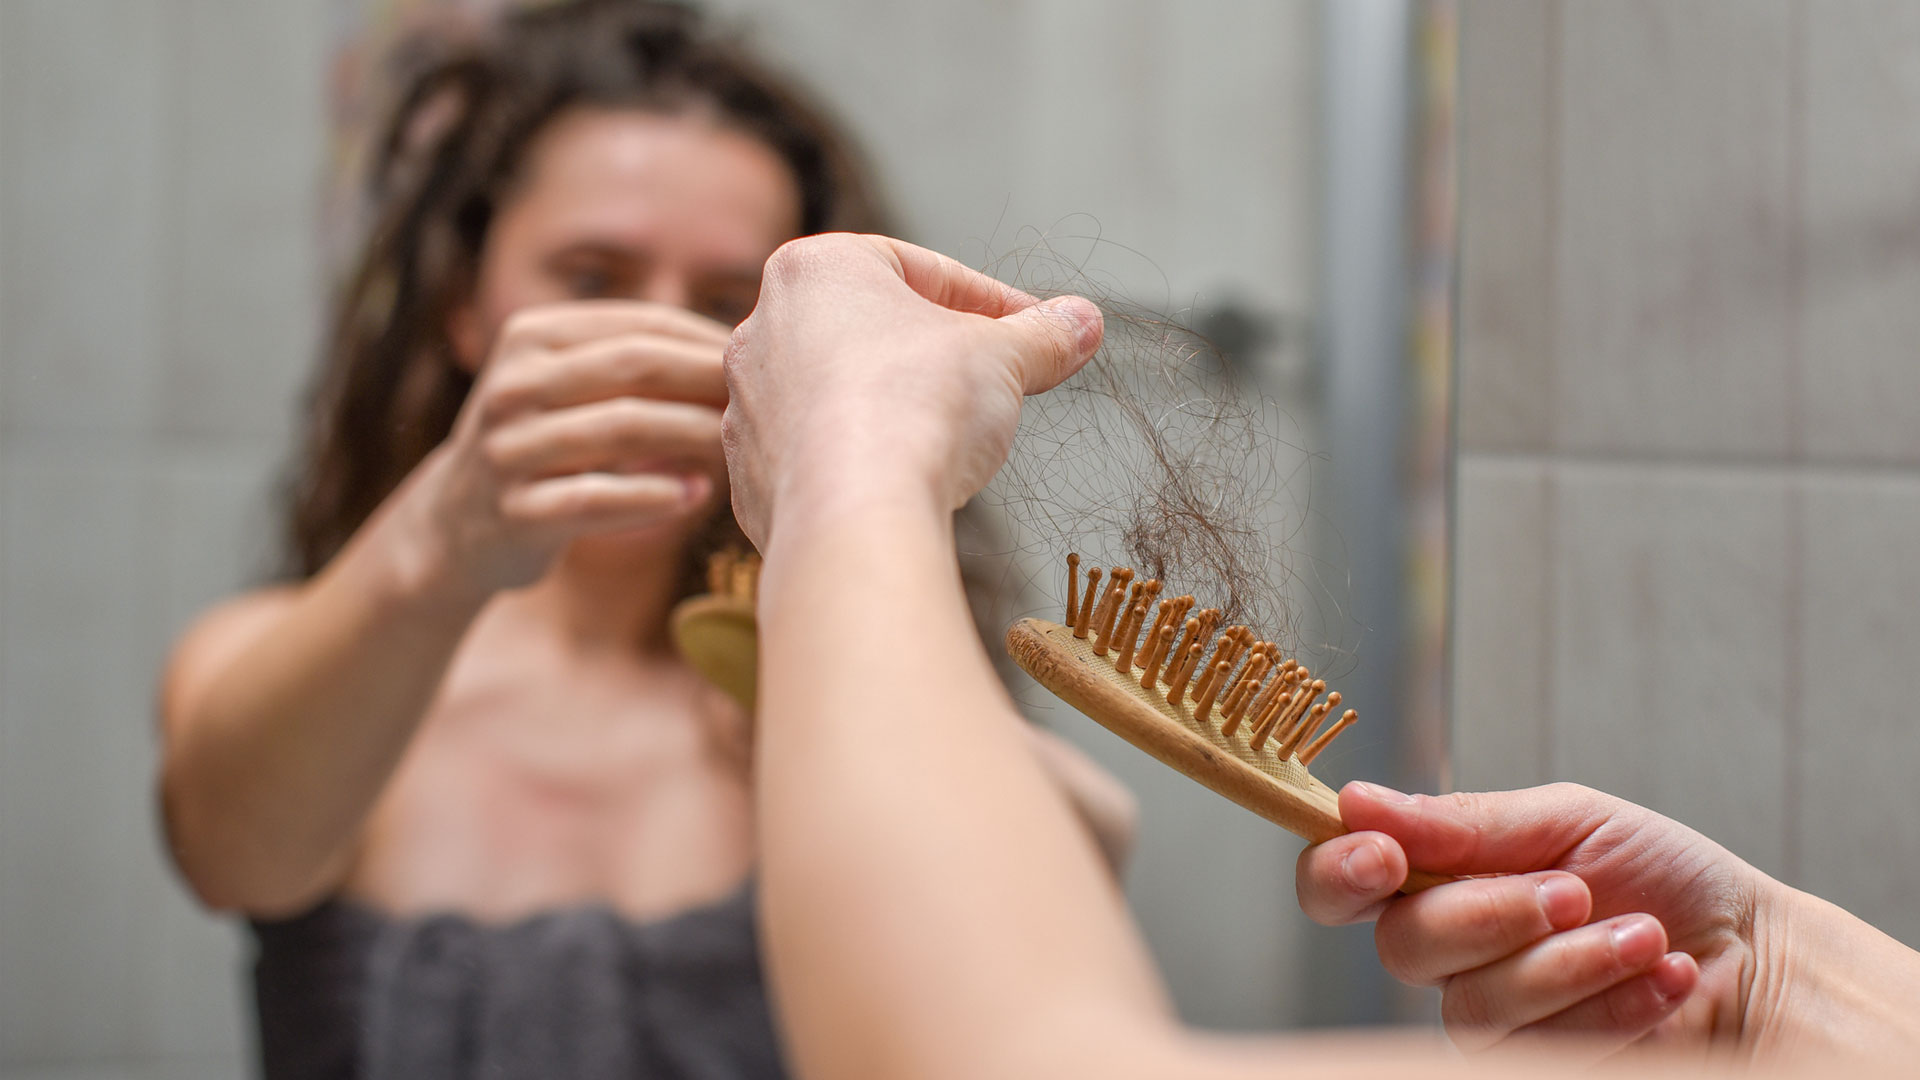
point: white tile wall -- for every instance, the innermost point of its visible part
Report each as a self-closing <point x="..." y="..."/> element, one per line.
<point x="1502" y="625"/>
<point x="1670" y="662"/>
<point x="105" y="559"/>
<point x="1860" y="337"/>
<point x="1672" y="258"/>
<point x="242" y="284"/>
<point x="1858" y="831"/>
<point x="86" y="117"/>
<point x="1731" y="464"/>
<point x="76" y="789"/>
<point x="151" y="1068"/>
<point x="1507" y="152"/>
<point x="156" y="314"/>
<point x="1046" y="135"/>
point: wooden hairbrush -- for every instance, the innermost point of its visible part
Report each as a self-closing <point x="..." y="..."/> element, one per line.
<point x="1236" y="717"/>
<point x="716" y="631"/>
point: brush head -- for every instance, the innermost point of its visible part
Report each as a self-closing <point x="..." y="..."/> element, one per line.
<point x="1249" y="734"/>
<point x="716" y="632"/>
<point x="1224" y="709"/>
<point x="1278" y="789"/>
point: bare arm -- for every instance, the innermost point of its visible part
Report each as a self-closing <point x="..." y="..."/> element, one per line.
<point x="285" y="713"/>
<point x="936" y="888"/>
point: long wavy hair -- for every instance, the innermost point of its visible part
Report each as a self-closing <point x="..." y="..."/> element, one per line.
<point x="447" y="157"/>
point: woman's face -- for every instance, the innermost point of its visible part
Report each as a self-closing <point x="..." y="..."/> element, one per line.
<point x="632" y="205"/>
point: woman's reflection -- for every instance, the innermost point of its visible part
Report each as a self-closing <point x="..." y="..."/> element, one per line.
<point x="482" y="819"/>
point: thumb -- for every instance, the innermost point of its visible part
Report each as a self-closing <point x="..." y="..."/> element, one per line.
<point x="1052" y="339"/>
<point x="1495" y="832"/>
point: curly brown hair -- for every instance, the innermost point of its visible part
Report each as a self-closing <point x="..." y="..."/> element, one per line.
<point x="447" y="157"/>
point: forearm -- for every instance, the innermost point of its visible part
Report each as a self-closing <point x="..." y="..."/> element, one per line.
<point x="921" y="921"/>
<point x="273" y="763"/>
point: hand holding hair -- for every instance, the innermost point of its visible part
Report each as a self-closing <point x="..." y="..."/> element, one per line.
<point x="870" y="357"/>
<point x="594" y="416"/>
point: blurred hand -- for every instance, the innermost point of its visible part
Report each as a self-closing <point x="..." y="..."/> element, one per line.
<point x="869" y="360"/>
<point x="587" y="418"/>
<point x="1612" y="922"/>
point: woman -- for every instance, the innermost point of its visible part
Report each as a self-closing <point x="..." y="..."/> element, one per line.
<point x="918" y="930"/>
<point x="484" y="821"/>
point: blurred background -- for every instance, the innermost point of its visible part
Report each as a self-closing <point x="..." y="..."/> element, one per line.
<point x="1684" y="470"/>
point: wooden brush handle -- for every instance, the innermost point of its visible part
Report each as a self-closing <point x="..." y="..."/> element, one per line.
<point x="1306" y="808"/>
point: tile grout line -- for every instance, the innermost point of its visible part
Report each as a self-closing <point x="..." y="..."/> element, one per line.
<point x="1793" y="639"/>
<point x="1793" y="687"/>
<point x="1552" y="102"/>
<point x="1830" y="470"/>
<point x="1550" y="625"/>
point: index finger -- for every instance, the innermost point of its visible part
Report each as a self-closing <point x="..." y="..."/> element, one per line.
<point x="950" y="283"/>
<point x="1497" y="832"/>
<point x="560" y="326"/>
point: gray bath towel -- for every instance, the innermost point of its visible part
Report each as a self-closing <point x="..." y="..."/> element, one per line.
<point x="348" y="994"/>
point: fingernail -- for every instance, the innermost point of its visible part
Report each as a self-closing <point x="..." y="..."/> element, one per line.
<point x="1382" y="794"/>
<point x="1085" y="318"/>
<point x="1564" y="900"/>
<point x="697" y="487"/>
<point x="1673" y="975"/>
<point x="1638" y="941"/>
<point x="1365" y="869"/>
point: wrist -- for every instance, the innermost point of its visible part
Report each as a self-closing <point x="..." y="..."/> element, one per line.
<point x="831" y="489"/>
<point x="1828" y="982"/>
<point x="414" y="568"/>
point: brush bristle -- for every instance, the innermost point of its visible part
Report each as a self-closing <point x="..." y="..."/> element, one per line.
<point x="1225" y="680"/>
<point x="733" y="574"/>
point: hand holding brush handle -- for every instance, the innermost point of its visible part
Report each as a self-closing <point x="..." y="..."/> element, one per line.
<point x="1604" y="920"/>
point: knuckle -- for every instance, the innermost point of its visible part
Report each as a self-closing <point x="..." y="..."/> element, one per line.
<point x="798" y="253"/>
<point x="642" y="369"/>
<point x="502" y="397"/>
<point x="1623" y="1008"/>
<point x="523" y="327"/>
<point x="735" y="354"/>
<point x="1465" y="1007"/>
<point x="516" y="510"/>
<point x="1468" y="812"/>
<point x="1389" y="942"/>
<point x="1590" y="953"/>
<point x="1506" y="910"/>
<point x="627" y="416"/>
<point x="808" y="254"/>
<point x="498" y="451"/>
<point x="1569" y="794"/>
<point x="576" y="501"/>
<point x="706" y="424"/>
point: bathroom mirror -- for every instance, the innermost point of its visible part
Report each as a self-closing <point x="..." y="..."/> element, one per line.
<point x="177" y="198"/>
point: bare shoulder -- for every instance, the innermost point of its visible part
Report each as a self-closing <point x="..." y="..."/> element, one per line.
<point x="1104" y="804"/>
<point x="211" y="642"/>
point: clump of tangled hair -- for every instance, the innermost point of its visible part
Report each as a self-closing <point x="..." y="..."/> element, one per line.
<point x="1161" y="455"/>
<point x="454" y="144"/>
